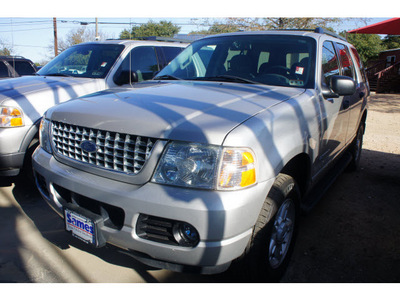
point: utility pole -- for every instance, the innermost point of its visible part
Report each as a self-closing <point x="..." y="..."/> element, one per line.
<point x="97" y="31"/>
<point x="55" y="37"/>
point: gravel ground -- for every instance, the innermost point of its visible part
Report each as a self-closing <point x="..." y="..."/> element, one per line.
<point x="352" y="233"/>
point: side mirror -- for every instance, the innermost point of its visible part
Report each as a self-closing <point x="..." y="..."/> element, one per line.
<point x="339" y="86"/>
<point x="125" y="77"/>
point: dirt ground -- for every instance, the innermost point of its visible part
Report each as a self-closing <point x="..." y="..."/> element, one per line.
<point x="350" y="236"/>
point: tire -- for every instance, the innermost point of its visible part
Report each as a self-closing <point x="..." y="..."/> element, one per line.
<point x="356" y="149"/>
<point x="268" y="252"/>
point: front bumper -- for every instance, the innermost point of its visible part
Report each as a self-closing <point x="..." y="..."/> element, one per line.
<point x="223" y="219"/>
<point x="11" y="164"/>
<point x="11" y="157"/>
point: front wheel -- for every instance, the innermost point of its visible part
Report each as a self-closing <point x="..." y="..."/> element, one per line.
<point x="268" y="252"/>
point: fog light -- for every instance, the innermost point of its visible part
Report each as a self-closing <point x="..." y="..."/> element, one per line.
<point x="185" y="234"/>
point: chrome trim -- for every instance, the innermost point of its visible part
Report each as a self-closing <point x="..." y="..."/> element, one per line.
<point x="118" y="152"/>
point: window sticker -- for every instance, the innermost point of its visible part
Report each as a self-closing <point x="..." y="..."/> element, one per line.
<point x="104" y="64"/>
<point x="299" y="70"/>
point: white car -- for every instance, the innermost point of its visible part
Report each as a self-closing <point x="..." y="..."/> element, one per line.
<point x="80" y="70"/>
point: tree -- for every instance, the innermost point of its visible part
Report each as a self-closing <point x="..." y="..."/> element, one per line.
<point x="391" y="42"/>
<point x="5" y="49"/>
<point x="255" y="24"/>
<point x="77" y="36"/>
<point x="300" y="23"/>
<point x="163" y="28"/>
<point x="74" y="37"/>
<point x="368" y="45"/>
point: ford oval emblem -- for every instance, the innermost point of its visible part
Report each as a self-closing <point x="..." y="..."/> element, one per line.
<point x="88" y="146"/>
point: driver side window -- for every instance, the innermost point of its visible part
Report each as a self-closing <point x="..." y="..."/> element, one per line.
<point x="330" y="65"/>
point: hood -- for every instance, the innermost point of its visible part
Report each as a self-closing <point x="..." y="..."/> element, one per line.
<point x="35" y="94"/>
<point x="203" y="112"/>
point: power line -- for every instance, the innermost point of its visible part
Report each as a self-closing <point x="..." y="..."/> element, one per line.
<point x="22" y="23"/>
<point x="30" y="29"/>
<point x="31" y="46"/>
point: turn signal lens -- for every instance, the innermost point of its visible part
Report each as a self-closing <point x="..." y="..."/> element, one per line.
<point x="237" y="169"/>
<point x="11" y="117"/>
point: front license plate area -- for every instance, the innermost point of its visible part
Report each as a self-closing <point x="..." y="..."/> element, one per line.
<point x="81" y="227"/>
<point x="84" y="225"/>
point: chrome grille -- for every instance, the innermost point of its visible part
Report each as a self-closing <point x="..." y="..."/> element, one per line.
<point x="115" y="151"/>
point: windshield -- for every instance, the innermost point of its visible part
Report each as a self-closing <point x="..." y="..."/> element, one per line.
<point x="84" y="60"/>
<point x="268" y="59"/>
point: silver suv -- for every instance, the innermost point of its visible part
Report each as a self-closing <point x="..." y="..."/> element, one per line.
<point x="211" y="162"/>
<point x="80" y="70"/>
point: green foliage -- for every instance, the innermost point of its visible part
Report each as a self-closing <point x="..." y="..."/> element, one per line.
<point x="391" y="42"/>
<point x="5" y="51"/>
<point x="162" y="29"/>
<point x="368" y="45"/>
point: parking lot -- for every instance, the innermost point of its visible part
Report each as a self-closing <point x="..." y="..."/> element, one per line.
<point x="350" y="236"/>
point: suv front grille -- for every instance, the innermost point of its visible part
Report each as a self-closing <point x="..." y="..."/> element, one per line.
<point x="114" y="151"/>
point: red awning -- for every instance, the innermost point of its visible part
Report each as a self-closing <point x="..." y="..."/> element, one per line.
<point x="391" y="27"/>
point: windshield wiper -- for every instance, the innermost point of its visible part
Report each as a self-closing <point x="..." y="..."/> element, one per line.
<point x="58" y="74"/>
<point x="229" y="78"/>
<point x="167" y="77"/>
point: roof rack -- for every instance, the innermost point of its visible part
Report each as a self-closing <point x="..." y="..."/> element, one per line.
<point x="154" y="38"/>
<point x="324" y="31"/>
<point x="11" y="56"/>
<point x="319" y="30"/>
<point x="162" y="39"/>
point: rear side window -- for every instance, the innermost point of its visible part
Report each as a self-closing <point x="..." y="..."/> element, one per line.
<point x="359" y="64"/>
<point x="3" y="70"/>
<point x="346" y="61"/>
<point x="330" y="64"/>
<point x="22" y="67"/>
<point x="171" y="52"/>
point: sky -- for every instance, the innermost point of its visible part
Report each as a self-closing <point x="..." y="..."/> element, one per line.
<point x="29" y="29"/>
<point x="33" y="38"/>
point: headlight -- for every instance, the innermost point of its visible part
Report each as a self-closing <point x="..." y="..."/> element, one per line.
<point x="11" y="116"/>
<point x="44" y="135"/>
<point x="188" y="165"/>
<point x="206" y="166"/>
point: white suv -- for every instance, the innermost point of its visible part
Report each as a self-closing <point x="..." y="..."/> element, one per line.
<point x="80" y="70"/>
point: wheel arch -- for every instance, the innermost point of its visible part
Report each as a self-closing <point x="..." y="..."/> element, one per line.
<point x="32" y="134"/>
<point x="364" y="118"/>
<point x="299" y="167"/>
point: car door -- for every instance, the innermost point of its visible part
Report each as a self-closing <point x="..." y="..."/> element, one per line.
<point x="334" y="112"/>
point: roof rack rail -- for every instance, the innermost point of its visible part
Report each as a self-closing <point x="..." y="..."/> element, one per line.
<point x="11" y="56"/>
<point x="153" y="38"/>
<point x="163" y="39"/>
<point x="324" y="31"/>
<point x="317" y="30"/>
